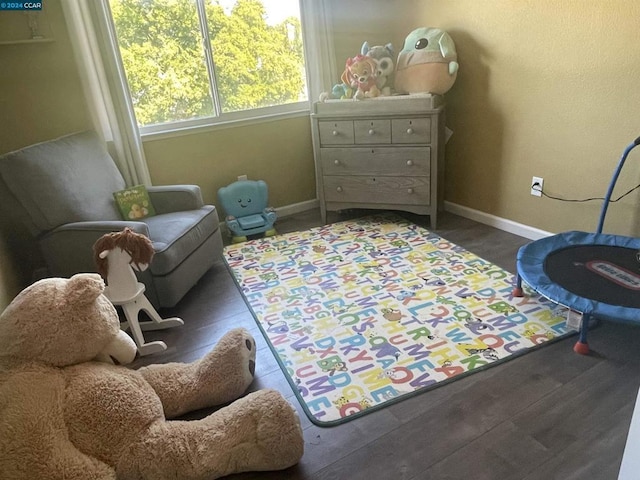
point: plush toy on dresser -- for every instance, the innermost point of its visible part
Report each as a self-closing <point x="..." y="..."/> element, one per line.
<point x="383" y="55"/>
<point x="360" y="73"/>
<point x="341" y="91"/>
<point x="428" y="62"/>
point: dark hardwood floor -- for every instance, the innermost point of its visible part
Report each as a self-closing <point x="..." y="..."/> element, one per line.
<point x="549" y="414"/>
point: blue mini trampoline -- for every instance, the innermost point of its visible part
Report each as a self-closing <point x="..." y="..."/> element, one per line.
<point x="595" y="274"/>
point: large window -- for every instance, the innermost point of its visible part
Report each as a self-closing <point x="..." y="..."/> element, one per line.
<point x="195" y="62"/>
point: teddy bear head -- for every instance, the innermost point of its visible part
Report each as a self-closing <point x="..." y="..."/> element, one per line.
<point x="62" y="322"/>
<point x="383" y="55"/>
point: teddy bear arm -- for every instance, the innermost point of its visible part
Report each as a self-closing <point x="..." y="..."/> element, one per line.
<point x="259" y="432"/>
<point x="33" y="434"/>
<point x="219" y="377"/>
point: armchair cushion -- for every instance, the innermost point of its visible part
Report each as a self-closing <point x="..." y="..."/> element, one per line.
<point x="251" y="221"/>
<point x="176" y="235"/>
<point x="62" y="191"/>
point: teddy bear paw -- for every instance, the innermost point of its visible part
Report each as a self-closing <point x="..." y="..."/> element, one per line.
<point x="279" y="436"/>
<point x="231" y="365"/>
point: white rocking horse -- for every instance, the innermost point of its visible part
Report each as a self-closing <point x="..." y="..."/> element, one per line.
<point x="116" y="255"/>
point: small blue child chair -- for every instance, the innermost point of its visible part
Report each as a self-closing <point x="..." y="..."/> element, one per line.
<point x="245" y="202"/>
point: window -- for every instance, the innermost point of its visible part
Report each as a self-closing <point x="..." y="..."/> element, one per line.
<point x="198" y="62"/>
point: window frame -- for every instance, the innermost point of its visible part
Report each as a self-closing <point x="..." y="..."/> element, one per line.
<point x="227" y="120"/>
<point x="219" y="119"/>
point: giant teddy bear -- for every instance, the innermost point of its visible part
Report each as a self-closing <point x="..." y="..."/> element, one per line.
<point x="67" y="410"/>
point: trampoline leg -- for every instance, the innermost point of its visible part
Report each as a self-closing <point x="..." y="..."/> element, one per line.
<point x="517" y="290"/>
<point x="581" y="346"/>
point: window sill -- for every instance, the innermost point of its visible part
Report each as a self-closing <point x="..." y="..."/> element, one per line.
<point x="217" y="124"/>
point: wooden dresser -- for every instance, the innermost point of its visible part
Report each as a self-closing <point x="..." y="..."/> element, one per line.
<point x="384" y="153"/>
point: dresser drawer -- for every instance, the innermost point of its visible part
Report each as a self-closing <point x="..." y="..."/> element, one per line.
<point x="383" y="153"/>
<point x="374" y="189"/>
<point x="336" y="133"/>
<point x="372" y="131"/>
<point x="411" y="130"/>
<point x="399" y="161"/>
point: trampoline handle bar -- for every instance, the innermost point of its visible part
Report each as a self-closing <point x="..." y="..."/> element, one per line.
<point x="614" y="179"/>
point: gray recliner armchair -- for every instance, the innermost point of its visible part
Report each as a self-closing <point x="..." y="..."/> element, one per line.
<point x="62" y="191"/>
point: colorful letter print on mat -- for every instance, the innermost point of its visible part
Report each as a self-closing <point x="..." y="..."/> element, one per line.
<point x="366" y="312"/>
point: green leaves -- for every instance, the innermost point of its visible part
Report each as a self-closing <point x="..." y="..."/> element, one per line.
<point x="256" y="64"/>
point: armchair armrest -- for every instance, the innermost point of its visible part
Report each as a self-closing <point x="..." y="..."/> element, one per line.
<point x="233" y="225"/>
<point x="69" y="248"/>
<point x="270" y="215"/>
<point x="100" y="227"/>
<point x="175" y="198"/>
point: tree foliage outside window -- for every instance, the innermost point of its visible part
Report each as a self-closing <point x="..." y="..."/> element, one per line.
<point x="253" y="63"/>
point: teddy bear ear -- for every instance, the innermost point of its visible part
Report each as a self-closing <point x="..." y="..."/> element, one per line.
<point x="389" y="47"/>
<point x="84" y="288"/>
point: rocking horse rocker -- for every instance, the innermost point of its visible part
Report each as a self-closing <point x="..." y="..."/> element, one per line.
<point x="116" y="255"/>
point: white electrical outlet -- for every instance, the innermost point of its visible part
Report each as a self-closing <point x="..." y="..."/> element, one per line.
<point x="242" y="177"/>
<point x="537" y="190"/>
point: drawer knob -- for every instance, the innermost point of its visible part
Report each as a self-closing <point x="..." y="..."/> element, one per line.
<point x="339" y="189"/>
<point x="371" y="132"/>
<point x="334" y="133"/>
<point x="409" y="190"/>
<point x="409" y="131"/>
<point x="336" y="162"/>
<point x="409" y="162"/>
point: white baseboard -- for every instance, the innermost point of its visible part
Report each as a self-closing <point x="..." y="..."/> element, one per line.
<point x="297" y="208"/>
<point x="510" y="226"/>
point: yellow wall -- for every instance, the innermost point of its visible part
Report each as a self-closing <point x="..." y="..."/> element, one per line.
<point x="545" y="88"/>
<point x="356" y="21"/>
<point x="40" y="92"/>
<point x="40" y="98"/>
<point x="278" y="152"/>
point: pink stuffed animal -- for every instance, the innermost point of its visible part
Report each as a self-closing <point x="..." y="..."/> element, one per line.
<point x="360" y="73"/>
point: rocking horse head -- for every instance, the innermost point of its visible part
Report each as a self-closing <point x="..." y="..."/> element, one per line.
<point x="136" y="246"/>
